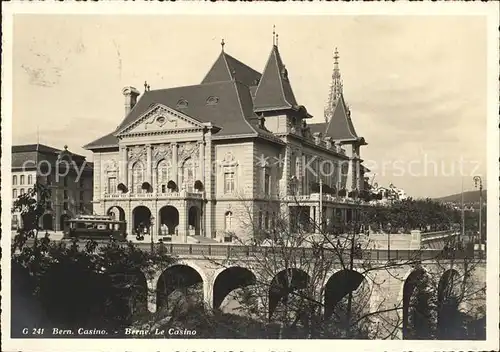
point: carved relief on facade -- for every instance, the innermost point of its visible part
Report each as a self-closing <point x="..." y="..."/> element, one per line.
<point x="186" y="150"/>
<point x="111" y="165"/>
<point x="137" y="153"/>
<point x="162" y="151"/>
<point x="229" y="160"/>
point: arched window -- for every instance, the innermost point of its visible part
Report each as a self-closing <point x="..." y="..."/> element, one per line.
<point x="188" y="174"/>
<point x="163" y="175"/>
<point x="228" y="223"/>
<point x="22" y="179"/>
<point x="30" y="180"/>
<point x="137" y="177"/>
<point x="14" y="180"/>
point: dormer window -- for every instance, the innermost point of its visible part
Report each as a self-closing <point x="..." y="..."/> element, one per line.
<point x="212" y="100"/>
<point x="182" y="104"/>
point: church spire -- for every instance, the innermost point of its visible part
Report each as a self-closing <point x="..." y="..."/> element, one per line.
<point x="336" y="88"/>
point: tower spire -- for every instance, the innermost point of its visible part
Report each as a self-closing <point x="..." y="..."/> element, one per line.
<point x="222" y="44"/>
<point x="336" y="88"/>
<point x="274" y="35"/>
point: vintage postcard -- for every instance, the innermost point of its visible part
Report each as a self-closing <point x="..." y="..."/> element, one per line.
<point x="250" y="177"/>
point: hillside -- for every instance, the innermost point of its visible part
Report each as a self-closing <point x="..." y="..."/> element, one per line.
<point x="469" y="197"/>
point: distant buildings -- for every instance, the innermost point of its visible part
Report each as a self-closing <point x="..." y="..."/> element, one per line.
<point x="390" y="193"/>
<point x="68" y="176"/>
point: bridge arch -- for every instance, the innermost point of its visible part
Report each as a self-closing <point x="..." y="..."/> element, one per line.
<point x="415" y="279"/>
<point x="340" y="284"/>
<point x="449" y="292"/>
<point x="283" y="283"/>
<point x="229" y="279"/>
<point x="181" y="277"/>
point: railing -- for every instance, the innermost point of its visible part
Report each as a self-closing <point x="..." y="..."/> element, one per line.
<point x="314" y="197"/>
<point x="168" y="195"/>
<point x="242" y="252"/>
<point x="427" y="235"/>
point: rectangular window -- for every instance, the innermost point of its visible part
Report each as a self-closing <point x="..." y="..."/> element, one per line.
<point x="82" y="195"/>
<point x="14" y="193"/>
<point x="22" y="179"/>
<point x="267" y="183"/>
<point x="82" y="183"/>
<point x="266" y="220"/>
<point x="49" y="204"/>
<point x="65" y="181"/>
<point x="14" y="180"/>
<point x="65" y="194"/>
<point x="66" y="205"/>
<point x="163" y="189"/>
<point x="30" y="180"/>
<point x="228" y="182"/>
<point x="112" y="185"/>
<point x="259" y="223"/>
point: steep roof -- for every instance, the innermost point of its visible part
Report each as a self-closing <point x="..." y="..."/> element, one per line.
<point x="317" y="127"/>
<point x="230" y="112"/>
<point x="227" y="68"/>
<point x="33" y="148"/>
<point x="274" y="90"/>
<point x="340" y="126"/>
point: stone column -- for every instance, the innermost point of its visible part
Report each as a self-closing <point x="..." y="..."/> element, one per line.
<point x="208" y="182"/>
<point x="123" y="166"/>
<point x="285" y="174"/>
<point x="201" y="166"/>
<point x="129" y="216"/>
<point x="148" y="164"/>
<point x="300" y="172"/>
<point x="175" y="168"/>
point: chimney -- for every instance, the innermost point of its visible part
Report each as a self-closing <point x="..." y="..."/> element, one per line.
<point x="130" y="94"/>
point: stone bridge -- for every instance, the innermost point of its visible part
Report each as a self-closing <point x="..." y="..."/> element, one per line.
<point x="383" y="280"/>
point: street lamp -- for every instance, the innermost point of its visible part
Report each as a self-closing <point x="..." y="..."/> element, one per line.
<point x="151" y="221"/>
<point x="478" y="183"/>
<point x="389" y="241"/>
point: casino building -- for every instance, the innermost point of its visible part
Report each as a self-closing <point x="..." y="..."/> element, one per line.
<point x="196" y="163"/>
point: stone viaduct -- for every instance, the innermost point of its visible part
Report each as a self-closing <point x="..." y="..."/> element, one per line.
<point x="383" y="279"/>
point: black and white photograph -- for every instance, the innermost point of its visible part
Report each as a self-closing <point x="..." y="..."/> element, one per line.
<point x="291" y="176"/>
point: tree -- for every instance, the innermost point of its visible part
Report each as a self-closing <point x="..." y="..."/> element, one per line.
<point x="77" y="284"/>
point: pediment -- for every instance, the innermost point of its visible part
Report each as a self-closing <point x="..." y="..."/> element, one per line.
<point x="160" y="118"/>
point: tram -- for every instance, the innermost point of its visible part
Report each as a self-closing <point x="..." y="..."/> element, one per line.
<point x="97" y="227"/>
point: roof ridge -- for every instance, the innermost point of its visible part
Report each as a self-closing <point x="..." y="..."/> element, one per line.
<point x="276" y="53"/>
<point x="241" y="107"/>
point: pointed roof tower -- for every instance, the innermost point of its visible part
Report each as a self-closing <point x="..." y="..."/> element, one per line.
<point x="336" y="88"/>
<point x="227" y="68"/>
<point x="274" y="91"/>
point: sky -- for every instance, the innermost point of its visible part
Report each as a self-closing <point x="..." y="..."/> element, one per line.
<point x="416" y="86"/>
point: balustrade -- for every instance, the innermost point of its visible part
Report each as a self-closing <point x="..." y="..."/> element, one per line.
<point x="181" y="194"/>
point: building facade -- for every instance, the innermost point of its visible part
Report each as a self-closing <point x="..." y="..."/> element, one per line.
<point x="200" y="162"/>
<point x="68" y="176"/>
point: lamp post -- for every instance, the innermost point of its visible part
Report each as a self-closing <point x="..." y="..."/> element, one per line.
<point x="388" y="241"/>
<point x="478" y="183"/>
<point x="151" y="221"/>
<point x="320" y="210"/>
